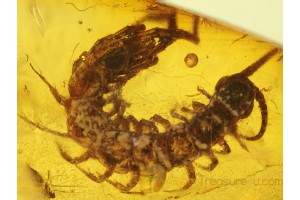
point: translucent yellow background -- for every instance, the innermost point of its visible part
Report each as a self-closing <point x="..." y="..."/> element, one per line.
<point x="53" y="33"/>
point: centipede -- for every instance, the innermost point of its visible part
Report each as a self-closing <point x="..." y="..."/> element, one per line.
<point x="119" y="143"/>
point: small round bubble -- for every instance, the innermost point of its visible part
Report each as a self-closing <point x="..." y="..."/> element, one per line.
<point x="191" y="60"/>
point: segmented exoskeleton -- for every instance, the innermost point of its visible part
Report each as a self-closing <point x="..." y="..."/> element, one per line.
<point x="154" y="154"/>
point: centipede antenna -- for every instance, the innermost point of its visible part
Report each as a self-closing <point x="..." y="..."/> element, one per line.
<point x="264" y="114"/>
<point x="257" y="64"/>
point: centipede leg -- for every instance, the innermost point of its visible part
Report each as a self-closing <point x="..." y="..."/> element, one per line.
<point x="122" y="123"/>
<point x="172" y="24"/>
<point x="187" y="110"/>
<point x="233" y="130"/>
<point x="132" y="183"/>
<point x="159" y="119"/>
<point x="178" y="116"/>
<point x="191" y="174"/>
<point x="119" y="105"/>
<point x="204" y="92"/>
<point x="195" y="25"/>
<point x="159" y="179"/>
<point x="139" y="126"/>
<point x="213" y="164"/>
<point x="149" y="125"/>
<point x="197" y="106"/>
<point x="120" y="120"/>
<point x="98" y="178"/>
<point x="85" y="156"/>
<point x="225" y="148"/>
<point x="192" y="178"/>
<point x="135" y="123"/>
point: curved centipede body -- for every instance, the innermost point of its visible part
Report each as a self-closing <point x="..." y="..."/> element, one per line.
<point x="115" y="59"/>
<point x="154" y="154"/>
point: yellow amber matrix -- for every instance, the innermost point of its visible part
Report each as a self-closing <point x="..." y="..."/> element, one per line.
<point x="145" y="101"/>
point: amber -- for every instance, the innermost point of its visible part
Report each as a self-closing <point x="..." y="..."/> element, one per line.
<point x="53" y="33"/>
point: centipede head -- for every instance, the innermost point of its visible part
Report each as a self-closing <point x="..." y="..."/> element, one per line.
<point x="235" y="94"/>
<point x="234" y="100"/>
